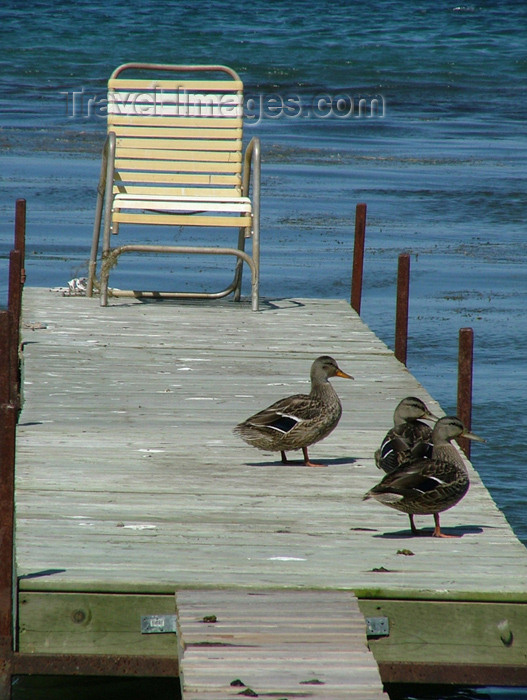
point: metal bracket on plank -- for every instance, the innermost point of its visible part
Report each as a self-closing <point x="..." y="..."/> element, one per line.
<point x="158" y="624"/>
<point x="377" y="627"/>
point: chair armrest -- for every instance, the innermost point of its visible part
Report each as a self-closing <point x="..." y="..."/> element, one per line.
<point x="251" y="165"/>
<point x="107" y="162"/>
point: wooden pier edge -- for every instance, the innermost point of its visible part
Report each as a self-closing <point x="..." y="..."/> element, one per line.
<point x="450" y="641"/>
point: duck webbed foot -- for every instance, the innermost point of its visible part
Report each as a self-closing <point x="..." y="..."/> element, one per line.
<point x="437" y="529"/>
<point x="308" y="462"/>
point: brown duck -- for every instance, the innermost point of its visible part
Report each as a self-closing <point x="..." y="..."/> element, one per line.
<point x="410" y="437"/>
<point x="429" y="486"/>
<point x="296" y="422"/>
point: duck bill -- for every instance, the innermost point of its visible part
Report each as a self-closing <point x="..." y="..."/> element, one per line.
<point x="471" y="436"/>
<point x="342" y="374"/>
<point x="430" y="416"/>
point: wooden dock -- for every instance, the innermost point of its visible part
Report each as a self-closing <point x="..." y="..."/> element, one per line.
<point x="131" y="487"/>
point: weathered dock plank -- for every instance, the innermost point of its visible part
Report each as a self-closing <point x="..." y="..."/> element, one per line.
<point x="276" y="643"/>
<point x="130" y="480"/>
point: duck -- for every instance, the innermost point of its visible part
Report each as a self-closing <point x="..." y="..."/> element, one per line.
<point x="409" y="439"/>
<point x="299" y="421"/>
<point x="429" y="486"/>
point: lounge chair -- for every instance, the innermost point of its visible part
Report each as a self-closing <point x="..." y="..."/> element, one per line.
<point x="173" y="156"/>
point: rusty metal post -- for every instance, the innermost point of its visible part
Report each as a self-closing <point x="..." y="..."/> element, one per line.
<point x="401" y="311"/>
<point x="5" y="364"/>
<point x="15" y="283"/>
<point x="20" y="234"/>
<point x="464" y="383"/>
<point x="14" y="306"/>
<point x="358" y="257"/>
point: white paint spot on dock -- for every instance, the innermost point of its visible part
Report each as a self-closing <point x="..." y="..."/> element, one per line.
<point x="286" y="559"/>
<point x="194" y="359"/>
<point x="200" y="398"/>
<point x="140" y="527"/>
<point x="149" y="449"/>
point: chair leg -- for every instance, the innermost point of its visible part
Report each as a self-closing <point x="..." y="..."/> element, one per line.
<point x="255" y="305"/>
<point x="105" y="267"/>
<point x="256" y="260"/>
<point x="104" y="195"/>
<point x="92" y="266"/>
<point x="239" y="266"/>
<point x="105" y="273"/>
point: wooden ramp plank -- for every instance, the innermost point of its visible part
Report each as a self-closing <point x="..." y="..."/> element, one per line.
<point x="284" y="644"/>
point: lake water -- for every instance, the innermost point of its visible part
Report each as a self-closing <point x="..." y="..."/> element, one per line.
<point x="439" y="155"/>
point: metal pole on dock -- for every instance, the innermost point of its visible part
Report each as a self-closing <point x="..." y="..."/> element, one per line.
<point x="401" y="312"/>
<point x="14" y="306"/>
<point x="464" y="383"/>
<point x="358" y="257"/>
<point x="20" y="233"/>
<point x="17" y="278"/>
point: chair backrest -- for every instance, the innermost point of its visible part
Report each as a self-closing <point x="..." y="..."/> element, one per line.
<point x="177" y="135"/>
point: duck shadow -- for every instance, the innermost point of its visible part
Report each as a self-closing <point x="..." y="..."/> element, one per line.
<point x="299" y="463"/>
<point x="456" y="531"/>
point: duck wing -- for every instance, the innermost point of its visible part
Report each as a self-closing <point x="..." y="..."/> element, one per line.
<point x="405" y="443"/>
<point x="419" y="436"/>
<point x="418" y="478"/>
<point x="423" y="449"/>
<point x="394" y="449"/>
<point x="285" y="414"/>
